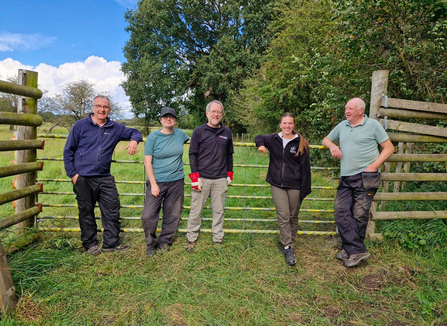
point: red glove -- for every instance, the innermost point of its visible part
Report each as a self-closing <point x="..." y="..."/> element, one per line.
<point x="196" y="182"/>
<point x="229" y="177"/>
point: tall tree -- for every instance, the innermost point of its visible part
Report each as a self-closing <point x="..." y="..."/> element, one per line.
<point x="290" y="68"/>
<point x="184" y="53"/>
<point x="325" y="52"/>
<point x="406" y="37"/>
<point x="75" y="102"/>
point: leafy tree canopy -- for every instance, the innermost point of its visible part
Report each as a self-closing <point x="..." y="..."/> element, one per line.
<point x="184" y="53"/>
<point x="324" y="53"/>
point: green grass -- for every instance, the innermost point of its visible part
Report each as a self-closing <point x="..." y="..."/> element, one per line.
<point x="246" y="282"/>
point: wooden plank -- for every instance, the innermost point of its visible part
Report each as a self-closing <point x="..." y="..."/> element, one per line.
<point x="412" y="196"/>
<point x="9" y="118"/>
<point x="415" y="128"/>
<point x="15" y="145"/>
<point x="410" y="114"/>
<point x="413" y="176"/>
<point x="413" y="215"/>
<point x="417" y="158"/>
<point x="415" y="105"/>
<point x="413" y="138"/>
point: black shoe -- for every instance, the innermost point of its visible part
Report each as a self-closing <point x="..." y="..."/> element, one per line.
<point x="290" y="255"/>
<point x="121" y="247"/>
<point x="94" y="251"/>
<point x="150" y="252"/>
<point x="342" y="255"/>
<point x="356" y="259"/>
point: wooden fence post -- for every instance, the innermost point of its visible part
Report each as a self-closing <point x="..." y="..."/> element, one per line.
<point x="379" y="87"/>
<point x="8" y="297"/>
<point x="26" y="105"/>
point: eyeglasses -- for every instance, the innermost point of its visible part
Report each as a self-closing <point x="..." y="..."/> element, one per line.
<point x="168" y="116"/>
<point x="216" y="112"/>
<point x="105" y="107"/>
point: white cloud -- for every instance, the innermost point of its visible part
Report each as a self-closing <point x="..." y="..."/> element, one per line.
<point x="104" y="75"/>
<point x="23" y="42"/>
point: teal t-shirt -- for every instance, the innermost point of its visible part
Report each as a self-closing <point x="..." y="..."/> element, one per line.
<point x="166" y="152"/>
<point x="358" y="145"/>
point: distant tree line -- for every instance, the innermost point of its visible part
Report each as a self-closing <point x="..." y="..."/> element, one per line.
<point x="261" y="58"/>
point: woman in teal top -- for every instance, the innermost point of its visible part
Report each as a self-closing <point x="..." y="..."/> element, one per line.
<point x="165" y="185"/>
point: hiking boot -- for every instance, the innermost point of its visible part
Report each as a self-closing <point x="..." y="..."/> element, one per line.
<point x="121" y="247"/>
<point x="356" y="259"/>
<point x="190" y="246"/>
<point x="94" y="251"/>
<point x="290" y="255"/>
<point x="342" y="255"/>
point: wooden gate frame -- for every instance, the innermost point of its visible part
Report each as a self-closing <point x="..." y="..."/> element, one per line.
<point x="382" y="109"/>
<point x="24" y="168"/>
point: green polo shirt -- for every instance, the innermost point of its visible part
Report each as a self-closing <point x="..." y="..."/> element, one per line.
<point x="166" y="152"/>
<point x="359" y="144"/>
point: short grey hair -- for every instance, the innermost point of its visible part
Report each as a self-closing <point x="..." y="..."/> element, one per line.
<point x="102" y="96"/>
<point x="215" y="101"/>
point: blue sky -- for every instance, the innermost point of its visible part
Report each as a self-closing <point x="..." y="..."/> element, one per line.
<point x="65" y="41"/>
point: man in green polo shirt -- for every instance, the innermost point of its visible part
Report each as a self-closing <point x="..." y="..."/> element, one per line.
<point x="360" y="160"/>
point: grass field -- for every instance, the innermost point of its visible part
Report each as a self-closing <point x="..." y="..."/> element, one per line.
<point x="245" y="282"/>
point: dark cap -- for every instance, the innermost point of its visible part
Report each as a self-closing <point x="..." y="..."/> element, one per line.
<point x="166" y="111"/>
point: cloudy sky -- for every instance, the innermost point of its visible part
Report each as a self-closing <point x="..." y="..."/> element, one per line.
<point x="66" y="41"/>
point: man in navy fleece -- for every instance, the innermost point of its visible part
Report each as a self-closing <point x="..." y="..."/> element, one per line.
<point x="87" y="159"/>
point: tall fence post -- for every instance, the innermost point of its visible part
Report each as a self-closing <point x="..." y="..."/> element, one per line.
<point x="26" y="105"/>
<point x="8" y="297"/>
<point x="379" y="88"/>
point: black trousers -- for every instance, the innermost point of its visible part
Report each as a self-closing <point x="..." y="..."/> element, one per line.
<point x="90" y="190"/>
<point x="355" y="194"/>
<point x="171" y="195"/>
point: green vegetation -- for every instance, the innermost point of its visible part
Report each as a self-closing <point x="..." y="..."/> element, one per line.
<point x="263" y="58"/>
<point x="244" y="282"/>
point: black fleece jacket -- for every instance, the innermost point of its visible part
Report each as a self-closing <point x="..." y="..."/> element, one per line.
<point x="286" y="170"/>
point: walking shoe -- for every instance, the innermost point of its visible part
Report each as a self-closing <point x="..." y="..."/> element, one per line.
<point x="121" y="247"/>
<point x="342" y="255"/>
<point x="94" y="251"/>
<point x="150" y="252"/>
<point x="290" y="255"/>
<point x="217" y="244"/>
<point x="356" y="259"/>
<point x="190" y="245"/>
